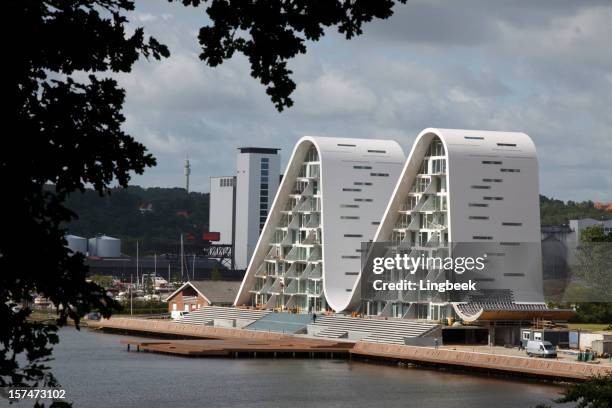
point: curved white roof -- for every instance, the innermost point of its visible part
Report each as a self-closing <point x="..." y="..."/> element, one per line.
<point x="356" y="180"/>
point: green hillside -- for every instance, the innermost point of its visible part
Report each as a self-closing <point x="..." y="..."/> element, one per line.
<point x="556" y="212"/>
<point x="174" y="212"/>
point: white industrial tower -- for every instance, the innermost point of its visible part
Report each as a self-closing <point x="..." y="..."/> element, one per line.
<point x="187" y="173"/>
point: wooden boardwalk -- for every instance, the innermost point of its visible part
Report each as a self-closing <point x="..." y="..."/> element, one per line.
<point x="297" y="347"/>
<point x="231" y="342"/>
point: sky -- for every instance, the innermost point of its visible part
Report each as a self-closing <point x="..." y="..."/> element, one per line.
<point x="543" y="68"/>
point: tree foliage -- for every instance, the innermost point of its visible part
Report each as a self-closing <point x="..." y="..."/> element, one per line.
<point x="593" y="393"/>
<point x="271" y="32"/>
<point x="594" y="266"/>
<point x="169" y="213"/>
<point x="558" y="212"/>
<point x="64" y="112"/>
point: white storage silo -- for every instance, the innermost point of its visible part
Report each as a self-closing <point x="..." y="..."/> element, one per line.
<point x="77" y="244"/>
<point x="93" y="246"/>
<point x="108" y="247"/>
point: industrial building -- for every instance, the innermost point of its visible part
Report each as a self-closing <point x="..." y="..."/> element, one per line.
<point x="221" y="208"/>
<point x="76" y="244"/>
<point x="331" y="198"/>
<point x="257" y="178"/>
<point x="239" y="204"/>
<point x="104" y="246"/>
<point x="100" y="246"/>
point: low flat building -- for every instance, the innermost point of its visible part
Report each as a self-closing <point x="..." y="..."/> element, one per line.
<point x="194" y="295"/>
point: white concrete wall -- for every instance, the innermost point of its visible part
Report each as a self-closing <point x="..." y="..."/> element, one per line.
<point x="220" y="208"/>
<point x="340" y="169"/>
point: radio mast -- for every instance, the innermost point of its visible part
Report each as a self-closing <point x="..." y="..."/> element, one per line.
<point x="187" y="173"/>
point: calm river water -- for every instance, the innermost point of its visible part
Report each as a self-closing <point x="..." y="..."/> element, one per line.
<point x="97" y="371"/>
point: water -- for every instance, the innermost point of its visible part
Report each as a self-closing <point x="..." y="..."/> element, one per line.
<point x="97" y="371"/>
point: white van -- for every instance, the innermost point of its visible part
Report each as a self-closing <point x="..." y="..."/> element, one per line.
<point x="540" y="348"/>
<point x="178" y="314"/>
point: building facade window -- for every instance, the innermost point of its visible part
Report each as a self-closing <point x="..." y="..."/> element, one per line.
<point x="263" y="191"/>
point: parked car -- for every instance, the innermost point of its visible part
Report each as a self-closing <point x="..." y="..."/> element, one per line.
<point x="540" y="348"/>
<point x="93" y="316"/>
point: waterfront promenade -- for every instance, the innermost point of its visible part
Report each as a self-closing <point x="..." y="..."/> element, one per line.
<point x="267" y="343"/>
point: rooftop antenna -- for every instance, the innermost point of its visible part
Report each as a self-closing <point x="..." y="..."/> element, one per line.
<point x="187" y="172"/>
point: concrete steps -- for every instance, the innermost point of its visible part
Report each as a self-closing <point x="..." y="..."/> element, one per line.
<point x="391" y="331"/>
<point x="282" y="323"/>
<point x="207" y="314"/>
<point x="332" y="333"/>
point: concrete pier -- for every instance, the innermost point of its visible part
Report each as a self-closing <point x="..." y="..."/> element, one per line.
<point x="240" y="342"/>
<point x="495" y="363"/>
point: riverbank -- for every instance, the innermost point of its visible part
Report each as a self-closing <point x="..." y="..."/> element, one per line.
<point x="522" y="366"/>
<point x="96" y="371"/>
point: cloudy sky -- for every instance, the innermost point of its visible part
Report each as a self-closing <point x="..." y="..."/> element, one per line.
<point x="542" y="67"/>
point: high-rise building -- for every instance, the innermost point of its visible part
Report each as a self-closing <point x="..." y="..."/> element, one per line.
<point x="257" y="179"/>
<point x="475" y="189"/>
<point x="331" y="198"/>
<point x="221" y="207"/>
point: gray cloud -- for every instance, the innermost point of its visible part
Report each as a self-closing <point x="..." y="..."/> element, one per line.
<point x="540" y="67"/>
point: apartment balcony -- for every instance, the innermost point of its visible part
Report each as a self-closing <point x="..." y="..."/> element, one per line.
<point x="293" y="271"/>
<point x="290" y="206"/>
<point x="284" y="221"/>
<point x="305" y="272"/>
<point x="315" y="255"/>
<point x="266" y="287"/>
<point x="292" y="288"/>
<point x="408" y="207"/>
<point x="276" y="288"/>
<point x="296" y="254"/>
<point x="287" y="241"/>
<point x="308" y="205"/>
<point x="313" y="290"/>
<point x="316" y="273"/>
<point x="261" y="272"/>
<point x="260" y="283"/>
<point x="403" y="223"/>
<point x="274" y="254"/>
<point x="311" y="239"/>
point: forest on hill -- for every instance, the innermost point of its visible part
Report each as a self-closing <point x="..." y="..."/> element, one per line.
<point x="558" y="212"/>
<point x="157" y="216"/>
<point x="153" y="216"/>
